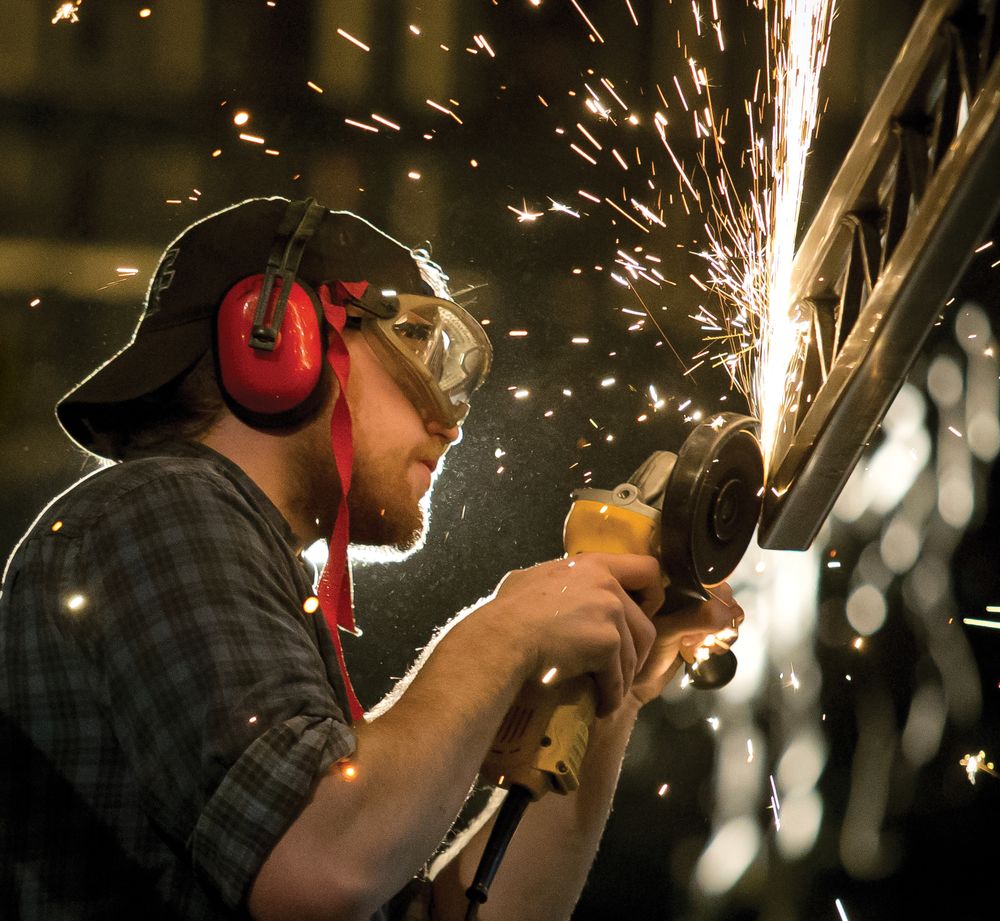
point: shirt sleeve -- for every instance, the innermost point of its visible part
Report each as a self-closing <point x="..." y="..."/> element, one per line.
<point x="209" y="670"/>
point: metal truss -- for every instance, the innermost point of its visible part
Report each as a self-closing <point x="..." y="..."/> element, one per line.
<point x="918" y="190"/>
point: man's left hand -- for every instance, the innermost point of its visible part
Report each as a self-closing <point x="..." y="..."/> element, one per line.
<point x="679" y="633"/>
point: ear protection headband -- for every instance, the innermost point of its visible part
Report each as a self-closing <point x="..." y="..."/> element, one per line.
<point x="269" y="330"/>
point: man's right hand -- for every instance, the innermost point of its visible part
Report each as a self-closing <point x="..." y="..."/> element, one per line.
<point x="590" y="613"/>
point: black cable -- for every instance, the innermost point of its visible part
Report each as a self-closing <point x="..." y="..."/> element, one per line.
<point x="508" y="817"/>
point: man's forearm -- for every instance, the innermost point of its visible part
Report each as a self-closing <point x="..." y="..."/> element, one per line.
<point x="371" y="827"/>
<point x="550" y="855"/>
<point x="365" y="831"/>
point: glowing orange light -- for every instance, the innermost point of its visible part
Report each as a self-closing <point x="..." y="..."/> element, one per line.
<point x="343" y="33"/>
<point x="524" y="213"/>
<point x="973" y="764"/>
<point x="57" y="526"/>
<point x="311" y="604"/>
<point x="356" y="124"/>
<point x="67" y="12"/>
<point x="76" y="602"/>
<point x="443" y="109"/>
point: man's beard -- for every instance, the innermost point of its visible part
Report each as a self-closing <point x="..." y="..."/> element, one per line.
<point x="387" y="524"/>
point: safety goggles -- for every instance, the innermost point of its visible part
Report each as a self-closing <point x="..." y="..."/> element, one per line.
<point x="436" y="351"/>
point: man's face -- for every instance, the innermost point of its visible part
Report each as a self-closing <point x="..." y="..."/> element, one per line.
<point x="396" y="456"/>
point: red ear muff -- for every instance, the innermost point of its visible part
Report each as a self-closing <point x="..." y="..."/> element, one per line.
<point x="269" y="382"/>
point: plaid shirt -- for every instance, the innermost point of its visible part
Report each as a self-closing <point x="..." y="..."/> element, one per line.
<point x="166" y="703"/>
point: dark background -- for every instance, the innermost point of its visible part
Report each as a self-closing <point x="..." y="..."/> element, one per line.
<point x="105" y="121"/>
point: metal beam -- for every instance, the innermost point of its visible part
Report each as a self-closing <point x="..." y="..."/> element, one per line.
<point x="918" y="190"/>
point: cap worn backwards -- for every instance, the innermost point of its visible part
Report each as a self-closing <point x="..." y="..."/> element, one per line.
<point x="193" y="276"/>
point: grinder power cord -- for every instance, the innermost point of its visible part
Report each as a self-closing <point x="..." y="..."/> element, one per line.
<point x="695" y="511"/>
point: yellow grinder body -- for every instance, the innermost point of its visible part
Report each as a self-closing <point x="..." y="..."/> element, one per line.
<point x="695" y="511"/>
<point x="541" y="743"/>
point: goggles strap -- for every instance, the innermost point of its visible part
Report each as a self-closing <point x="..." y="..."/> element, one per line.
<point x="369" y="300"/>
<point x="335" y="594"/>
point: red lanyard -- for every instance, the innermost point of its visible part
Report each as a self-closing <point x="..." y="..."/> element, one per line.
<point x="335" y="595"/>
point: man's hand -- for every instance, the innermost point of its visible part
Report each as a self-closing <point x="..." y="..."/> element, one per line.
<point x="679" y="633"/>
<point x="590" y="613"/>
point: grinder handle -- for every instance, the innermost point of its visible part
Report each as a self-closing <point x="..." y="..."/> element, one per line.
<point x="541" y="743"/>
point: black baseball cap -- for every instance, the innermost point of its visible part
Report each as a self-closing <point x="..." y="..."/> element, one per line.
<point x="193" y="276"/>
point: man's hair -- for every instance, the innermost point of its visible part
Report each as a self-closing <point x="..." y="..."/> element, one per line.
<point x="184" y="409"/>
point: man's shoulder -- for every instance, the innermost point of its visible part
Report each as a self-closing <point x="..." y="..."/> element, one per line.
<point x="137" y="498"/>
<point x="148" y="477"/>
<point x="152" y="488"/>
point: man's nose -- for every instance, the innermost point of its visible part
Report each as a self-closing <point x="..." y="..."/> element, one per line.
<point x="450" y="433"/>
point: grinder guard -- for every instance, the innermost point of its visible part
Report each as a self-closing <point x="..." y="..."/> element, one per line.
<point x="711" y="503"/>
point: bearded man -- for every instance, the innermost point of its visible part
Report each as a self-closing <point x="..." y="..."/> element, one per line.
<point x="181" y="738"/>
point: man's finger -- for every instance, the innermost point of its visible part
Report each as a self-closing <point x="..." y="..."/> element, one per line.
<point x="640" y="628"/>
<point x="639" y="575"/>
<point x="610" y="689"/>
<point x="633" y="570"/>
<point x="722" y="592"/>
<point x="707" y="617"/>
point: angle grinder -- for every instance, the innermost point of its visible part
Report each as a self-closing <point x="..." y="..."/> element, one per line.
<point x="695" y="511"/>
